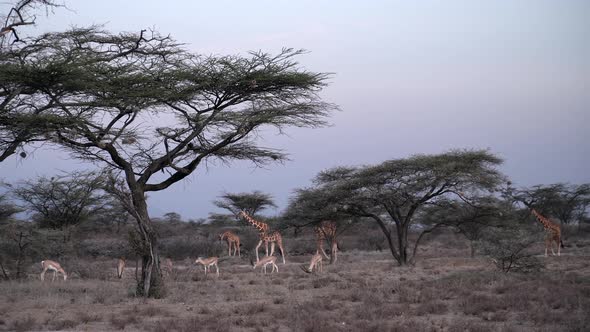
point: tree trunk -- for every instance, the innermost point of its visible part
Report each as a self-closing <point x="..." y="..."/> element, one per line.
<point x="390" y="242"/>
<point x="5" y="275"/>
<point x="402" y="239"/>
<point x="151" y="283"/>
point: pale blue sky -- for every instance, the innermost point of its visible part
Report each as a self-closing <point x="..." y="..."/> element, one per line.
<point x="410" y="77"/>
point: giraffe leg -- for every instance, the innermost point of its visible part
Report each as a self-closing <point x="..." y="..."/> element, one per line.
<point x="334" y="251"/>
<point x="282" y="251"/>
<point x="272" y="248"/>
<point x="228" y="247"/>
<point x="275" y="266"/>
<point x="258" y="246"/>
<point x="266" y="247"/>
<point x="321" y="245"/>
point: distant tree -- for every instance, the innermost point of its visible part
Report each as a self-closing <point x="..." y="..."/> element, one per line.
<point x="394" y="192"/>
<point x="470" y="219"/>
<point x="7" y="208"/>
<point x="63" y="201"/>
<point x="221" y="219"/>
<point x="566" y="202"/>
<point x="152" y="111"/>
<point x="251" y="203"/>
<point x="16" y="239"/>
<point x="172" y="217"/>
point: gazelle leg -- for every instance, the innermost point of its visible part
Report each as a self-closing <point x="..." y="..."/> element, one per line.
<point x="43" y="275"/>
<point x="275" y="266"/>
<point x="558" y="247"/>
<point x="54" y="275"/>
<point x="238" y="245"/>
<point x="217" y="268"/>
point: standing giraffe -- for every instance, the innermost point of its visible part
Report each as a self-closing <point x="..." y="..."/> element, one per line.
<point x="552" y="233"/>
<point x="231" y="238"/>
<point x="265" y="236"/>
<point x="326" y="230"/>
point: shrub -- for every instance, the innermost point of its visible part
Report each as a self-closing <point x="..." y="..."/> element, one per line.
<point x="509" y="249"/>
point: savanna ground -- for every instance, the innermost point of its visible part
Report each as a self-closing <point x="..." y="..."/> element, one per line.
<point x="445" y="290"/>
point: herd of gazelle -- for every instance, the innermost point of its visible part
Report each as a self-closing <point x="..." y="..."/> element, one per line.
<point x="326" y="230"/>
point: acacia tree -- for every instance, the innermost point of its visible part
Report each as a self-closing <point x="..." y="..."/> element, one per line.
<point x="469" y="218"/>
<point x="251" y="203"/>
<point x="153" y="112"/>
<point x="63" y="201"/>
<point x="567" y="202"/>
<point x="394" y="192"/>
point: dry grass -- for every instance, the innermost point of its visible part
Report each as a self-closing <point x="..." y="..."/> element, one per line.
<point x="365" y="291"/>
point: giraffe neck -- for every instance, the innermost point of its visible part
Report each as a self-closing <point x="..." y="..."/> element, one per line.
<point x="546" y="222"/>
<point x="262" y="227"/>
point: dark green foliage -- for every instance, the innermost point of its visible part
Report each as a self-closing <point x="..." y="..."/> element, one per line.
<point x="63" y="201"/>
<point x="251" y="203"/>
<point x="394" y="192"/>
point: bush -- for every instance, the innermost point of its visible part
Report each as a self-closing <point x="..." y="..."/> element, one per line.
<point x="509" y="249"/>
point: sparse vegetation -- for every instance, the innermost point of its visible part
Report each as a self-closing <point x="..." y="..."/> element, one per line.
<point x="446" y="290"/>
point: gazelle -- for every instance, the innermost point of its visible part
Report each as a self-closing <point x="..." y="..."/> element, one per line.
<point x="316" y="262"/>
<point x="55" y="267"/>
<point x="120" y="267"/>
<point x="207" y="263"/>
<point x="264" y="262"/>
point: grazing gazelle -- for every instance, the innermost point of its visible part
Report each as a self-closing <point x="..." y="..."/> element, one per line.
<point x="55" y="267"/>
<point x="316" y="262"/>
<point x="207" y="263"/>
<point x="120" y="267"/>
<point x="264" y="262"/>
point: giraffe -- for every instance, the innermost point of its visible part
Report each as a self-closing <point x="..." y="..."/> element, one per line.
<point x="231" y="239"/>
<point x="265" y="236"/>
<point x="552" y="233"/>
<point x="326" y="230"/>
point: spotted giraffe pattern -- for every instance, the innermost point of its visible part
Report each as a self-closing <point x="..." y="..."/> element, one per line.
<point x="265" y="237"/>
<point x="326" y="230"/>
<point x="552" y="233"/>
<point x="232" y="241"/>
